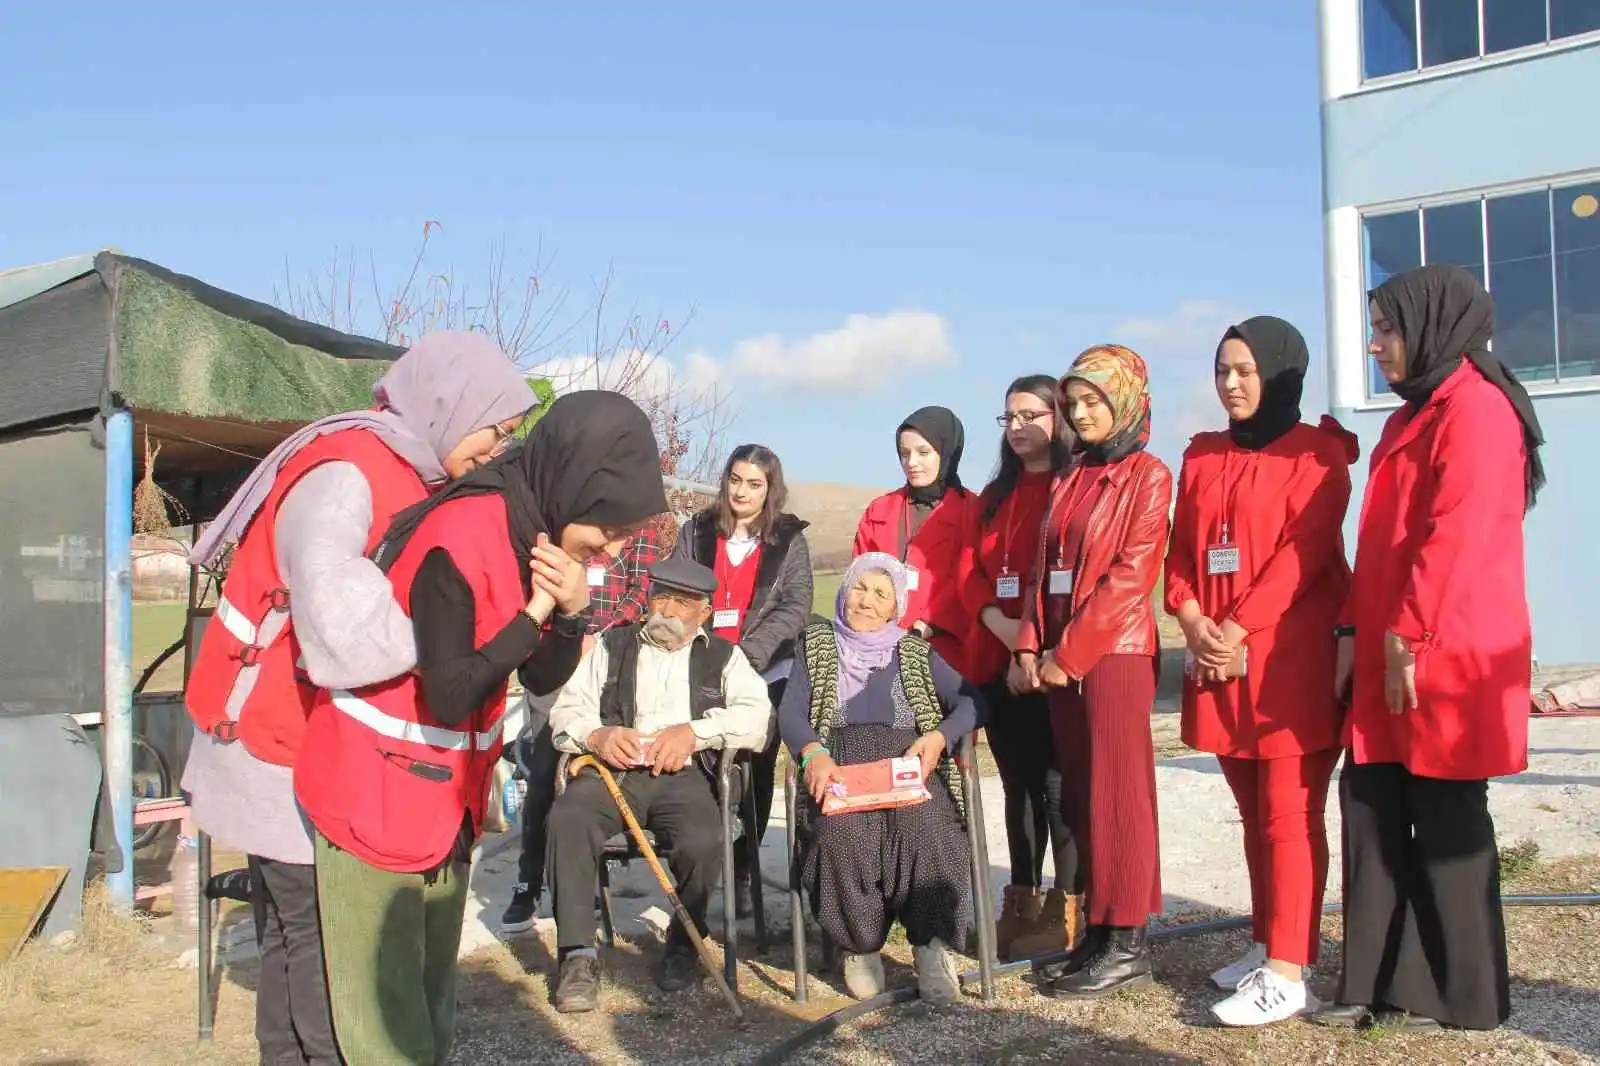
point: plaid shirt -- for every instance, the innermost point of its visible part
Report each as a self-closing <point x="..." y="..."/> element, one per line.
<point x="620" y="599"/>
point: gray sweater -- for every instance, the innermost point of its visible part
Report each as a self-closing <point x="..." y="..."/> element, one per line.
<point x="782" y="604"/>
<point x="351" y="632"/>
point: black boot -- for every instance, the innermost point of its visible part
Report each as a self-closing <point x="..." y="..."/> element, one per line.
<point x="1094" y="938"/>
<point x="1122" y="962"/>
<point x="743" y="902"/>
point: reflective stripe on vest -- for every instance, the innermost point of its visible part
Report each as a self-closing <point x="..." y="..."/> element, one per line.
<point x="235" y="622"/>
<point x="415" y="732"/>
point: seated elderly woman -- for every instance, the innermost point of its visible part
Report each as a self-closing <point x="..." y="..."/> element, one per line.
<point x="863" y="689"/>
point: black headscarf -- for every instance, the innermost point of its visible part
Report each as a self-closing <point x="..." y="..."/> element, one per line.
<point x="592" y="458"/>
<point x="940" y="427"/>
<point x="1444" y="315"/>
<point x="1281" y="361"/>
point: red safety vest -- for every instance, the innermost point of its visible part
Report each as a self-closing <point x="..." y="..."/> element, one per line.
<point x="249" y="658"/>
<point x="379" y="775"/>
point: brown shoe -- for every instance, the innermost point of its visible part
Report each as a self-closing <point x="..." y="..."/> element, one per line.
<point x="1019" y="915"/>
<point x="1060" y="917"/>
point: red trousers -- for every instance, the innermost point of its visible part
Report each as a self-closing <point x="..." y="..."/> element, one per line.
<point x="1108" y="787"/>
<point x="1281" y="804"/>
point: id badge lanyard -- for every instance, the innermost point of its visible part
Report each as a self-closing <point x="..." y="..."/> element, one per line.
<point x="1059" y="581"/>
<point x="1222" y="558"/>
<point x="1008" y="585"/>
<point x="912" y="577"/>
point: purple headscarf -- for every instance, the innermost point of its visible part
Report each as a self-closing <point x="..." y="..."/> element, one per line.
<point x="862" y="653"/>
<point x="445" y="387"/>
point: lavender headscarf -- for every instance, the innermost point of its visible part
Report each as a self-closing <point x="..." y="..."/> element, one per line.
<point x="862" y="653"/>
<point x="446" y="386"/>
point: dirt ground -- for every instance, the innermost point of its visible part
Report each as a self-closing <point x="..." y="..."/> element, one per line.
<point x="115" y="998"/>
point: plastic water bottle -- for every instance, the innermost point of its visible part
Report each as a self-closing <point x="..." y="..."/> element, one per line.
<point x="185" y="885"/>
<point x="510" y="799"/>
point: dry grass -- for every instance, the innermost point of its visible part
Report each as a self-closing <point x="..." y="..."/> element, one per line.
<point x="114" y="999"/>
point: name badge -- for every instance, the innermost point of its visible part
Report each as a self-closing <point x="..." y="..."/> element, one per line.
<point x="727" y="618"/>
<point x="912" y="578"/>
<point x="1008" y="587"/>
<point x="1222" y="559"/>
<point x="1061" y="582"/>
<point x="597" y="576"/>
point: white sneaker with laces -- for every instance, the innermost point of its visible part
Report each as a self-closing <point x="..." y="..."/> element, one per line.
<point x="1265" y="997"/>
<point x="863" y="975"/>
<point x="1229" y="976"/>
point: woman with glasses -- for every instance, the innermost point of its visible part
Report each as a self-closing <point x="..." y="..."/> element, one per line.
<point x="995" y="576"/>
<point x="926" y="524"/>
<point x="304" y="607"/>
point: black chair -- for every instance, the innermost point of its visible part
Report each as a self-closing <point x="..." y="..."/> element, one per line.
<point x="734" y="778"/>
<point x="982" y="895"/>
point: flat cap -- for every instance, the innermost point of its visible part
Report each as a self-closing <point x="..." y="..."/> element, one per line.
<point x="683" y="575"/>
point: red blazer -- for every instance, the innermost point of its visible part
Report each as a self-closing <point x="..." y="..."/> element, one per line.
<point x="935" y="553"/>
<point x="1008" y="541"/>
<point x="1117" y="570"/>
<point x="1439" y="561"/>
<point x="1284" y="505"/>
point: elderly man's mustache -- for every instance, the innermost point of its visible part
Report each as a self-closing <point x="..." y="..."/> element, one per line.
<point x="662" y="629"/>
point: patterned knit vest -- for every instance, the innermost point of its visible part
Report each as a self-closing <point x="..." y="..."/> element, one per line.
<point x="916" y="678"/>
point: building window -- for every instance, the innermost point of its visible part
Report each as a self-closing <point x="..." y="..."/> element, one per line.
<point x="1538" y="254"/>
<point x="1398" y="36"/>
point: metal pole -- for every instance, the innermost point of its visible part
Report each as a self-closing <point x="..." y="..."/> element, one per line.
<point x="797" y="912"/>
<point x="978" y="840"/>
<point x="203" y="934"/>
<point x="118" y="662"/>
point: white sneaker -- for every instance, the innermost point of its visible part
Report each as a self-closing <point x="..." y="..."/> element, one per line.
<point x="1229" y="976"/>
<point x="863" y="975"/>
<point x="937" y="978"/>
<point x="1265" y="997"/>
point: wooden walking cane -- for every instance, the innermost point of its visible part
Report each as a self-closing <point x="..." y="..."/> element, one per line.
<point x="584" y="762"/>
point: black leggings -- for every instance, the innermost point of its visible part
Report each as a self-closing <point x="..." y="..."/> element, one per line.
<point x="1023" y="746"/>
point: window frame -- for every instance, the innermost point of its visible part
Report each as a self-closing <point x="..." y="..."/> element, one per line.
<point x="1421" y="73"/>
<point x="1557" y="386"/>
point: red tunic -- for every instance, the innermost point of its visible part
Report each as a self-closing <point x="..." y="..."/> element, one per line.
<point x="1439" y="560"/>
<point x="1284" y="506"/>
<point x="934" y="552"/>
<point x="736" y="590"/>
<point x="1003" y="546"/>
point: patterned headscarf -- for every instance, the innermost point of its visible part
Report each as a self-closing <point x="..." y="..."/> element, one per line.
<point x="1122" y="378"/>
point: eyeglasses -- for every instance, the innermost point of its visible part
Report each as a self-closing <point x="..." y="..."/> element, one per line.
<point x="1021" y="418"/>
<point x="503" y="439"/>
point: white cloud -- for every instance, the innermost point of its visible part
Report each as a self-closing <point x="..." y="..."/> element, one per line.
<point x="640" y="374"/>
<point x="867" y="352"/>
<point x="1190" y="330"/>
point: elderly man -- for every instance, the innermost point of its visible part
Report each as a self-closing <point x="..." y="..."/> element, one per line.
<point x="652" y="701"/>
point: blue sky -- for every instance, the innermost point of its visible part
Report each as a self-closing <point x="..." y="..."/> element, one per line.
<point x="960" y="193"/>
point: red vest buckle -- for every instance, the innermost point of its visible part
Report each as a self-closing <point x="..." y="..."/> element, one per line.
<point x="250" y="654"/>
<point x="226" y="731"/>
<point x="278" y="599"/>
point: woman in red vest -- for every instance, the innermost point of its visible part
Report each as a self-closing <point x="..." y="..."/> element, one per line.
<point x="302" y="606"/>
<point x="1256" y="575"/>
<point x="764" y="591"/>
<point x="926" y="524"/>
<point x="1089" y="636"/>
<point x="1437" y="634"/>
<point x="395" y="777"/>
<point x="996" y="575"/>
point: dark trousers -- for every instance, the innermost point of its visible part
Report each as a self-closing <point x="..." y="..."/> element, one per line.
<point x="1020" y="739"/>
<point x="679" y="809"/>
<point x="1108" y="778"/>
<point x="294" y="1024"/>
<point x="1423" y="926"/>
<point x="764" y="765"/>
<point x="538" y="758"/>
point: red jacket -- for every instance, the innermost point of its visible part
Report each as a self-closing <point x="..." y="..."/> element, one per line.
<point x="1006" y="544"/>
<point x="935" y="554"/>
<point x="1115" y="574"/>
<point x="1284" y="506"/>
<point x="252" y="631"/>
<point x="1439" y="560"/>
<point x="379" y="775"/>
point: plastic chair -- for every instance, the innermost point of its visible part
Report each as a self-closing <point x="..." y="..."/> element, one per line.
<point x="978" y="846"/>
<point x="734" y="777"/>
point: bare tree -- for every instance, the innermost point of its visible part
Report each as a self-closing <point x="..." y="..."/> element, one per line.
<point x="590" y="348"/>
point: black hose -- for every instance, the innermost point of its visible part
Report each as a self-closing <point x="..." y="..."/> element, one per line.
<point x="832" y="1023"/>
